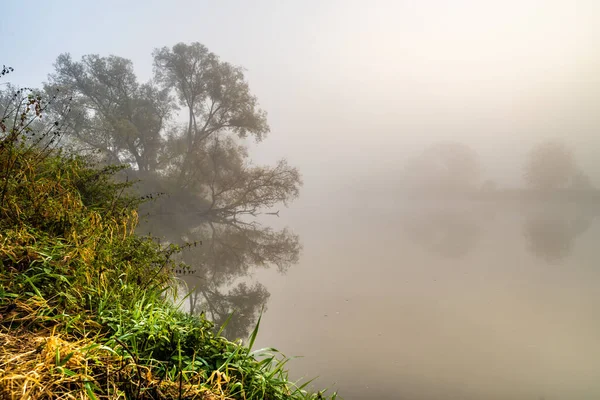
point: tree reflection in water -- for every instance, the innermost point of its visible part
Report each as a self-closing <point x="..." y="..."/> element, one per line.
<point x="447" y="233"/>
<point x="551" y="236"/>
<point x="218" y="281"/>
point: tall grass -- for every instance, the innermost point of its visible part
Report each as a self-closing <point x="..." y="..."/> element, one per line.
<point x="83" y="299"/>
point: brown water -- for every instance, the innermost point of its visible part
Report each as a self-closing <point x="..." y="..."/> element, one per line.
<point x="464" y="301"/>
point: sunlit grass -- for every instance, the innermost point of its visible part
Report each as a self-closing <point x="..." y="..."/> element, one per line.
<point x="84" y="309"/>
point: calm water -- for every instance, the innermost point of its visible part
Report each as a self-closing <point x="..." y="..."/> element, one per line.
<point x="464" y="301"/>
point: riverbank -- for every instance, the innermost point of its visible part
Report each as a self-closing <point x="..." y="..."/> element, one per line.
<point x="83" y="299"/>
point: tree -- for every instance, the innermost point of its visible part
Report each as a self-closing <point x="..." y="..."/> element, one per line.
<point x="115" y="113"/>
<point x="215" y="93"/>
<point x="445" y="166"/>
<point x="213" y="192"/>
<point x="550" y="166"/>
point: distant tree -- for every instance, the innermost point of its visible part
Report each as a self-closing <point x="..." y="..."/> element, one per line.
<point x="445" y="166"/>
<point x="550" y="165"/>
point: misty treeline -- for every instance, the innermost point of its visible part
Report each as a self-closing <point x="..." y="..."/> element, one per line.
<point x="556" y="195"/>
<point x="205" y="188"/>
<point x="550" y="166"/>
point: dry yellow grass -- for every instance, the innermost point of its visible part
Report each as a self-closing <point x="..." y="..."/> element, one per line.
<point x="48" y="365"/>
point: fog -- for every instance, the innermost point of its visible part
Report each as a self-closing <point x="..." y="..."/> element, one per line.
<point x="417" y="276"/>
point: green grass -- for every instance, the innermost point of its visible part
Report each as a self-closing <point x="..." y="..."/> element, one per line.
<point x="84" y="309"/>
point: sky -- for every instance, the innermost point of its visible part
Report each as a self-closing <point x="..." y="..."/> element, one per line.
<point x="353" y="88"/>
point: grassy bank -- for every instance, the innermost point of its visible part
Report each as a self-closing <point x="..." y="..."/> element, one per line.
<point x="83" y="299"/>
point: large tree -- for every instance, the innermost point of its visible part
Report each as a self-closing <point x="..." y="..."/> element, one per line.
<point x="215" y="93"/>
<point x="550" y="165"/>
<point x="213" y="193"/>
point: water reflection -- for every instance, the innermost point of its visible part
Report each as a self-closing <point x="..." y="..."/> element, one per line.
<point x="246" y="300"/>
<point x="218" y="286"/>
<point x="453" y="292"/>
<point x="447" y="233"/>
<point x="221" y="208"/>
<point x="551" y="236"/>
<point x="221" y="264"/>
<point x="453" y="232"/>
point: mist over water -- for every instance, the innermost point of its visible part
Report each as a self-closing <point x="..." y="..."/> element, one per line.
<point x="444" y="244"/>
<point x="442" y="301"/>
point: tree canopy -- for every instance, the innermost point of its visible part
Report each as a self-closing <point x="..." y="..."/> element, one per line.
<point x="213" y="192"/>
<point x="550" y="165"/>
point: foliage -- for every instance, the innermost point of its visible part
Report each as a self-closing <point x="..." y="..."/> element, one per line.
<point x="551" y="165"/>
<point x="213" y="192"/>
<point x="115" y="114"/>
<point x="83" y="305"/>
<point x="215" y="92"/>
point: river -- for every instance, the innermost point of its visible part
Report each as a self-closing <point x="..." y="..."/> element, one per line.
<point x="396" y="300"/>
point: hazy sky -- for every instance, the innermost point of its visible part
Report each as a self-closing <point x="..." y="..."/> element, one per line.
<point x="353" y="87"/>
